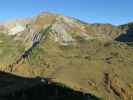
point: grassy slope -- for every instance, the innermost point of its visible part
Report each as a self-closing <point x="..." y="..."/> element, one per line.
<point x="9" y="49"/>
<point x="81" y="66"/>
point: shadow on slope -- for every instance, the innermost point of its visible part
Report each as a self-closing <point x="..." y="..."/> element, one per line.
<point x="128" y="36"/>
<point x="19" y="88"/>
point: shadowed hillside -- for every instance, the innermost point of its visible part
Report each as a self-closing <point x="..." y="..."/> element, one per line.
<point x="19" y="88"/>
<point x="128" y="34"/>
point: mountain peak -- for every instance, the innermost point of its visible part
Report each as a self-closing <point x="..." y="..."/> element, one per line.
<point x="63" y="29"/>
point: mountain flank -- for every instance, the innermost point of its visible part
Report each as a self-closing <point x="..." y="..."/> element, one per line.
<point x="91" y="58"/>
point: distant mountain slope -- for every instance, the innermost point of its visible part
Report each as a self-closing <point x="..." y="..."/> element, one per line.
<point x="64" y="29"/>
<point x="83" y="56"/>
<point x="127" y="36"/>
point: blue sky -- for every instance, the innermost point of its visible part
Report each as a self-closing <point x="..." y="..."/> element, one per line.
<point x="103" y="11"/>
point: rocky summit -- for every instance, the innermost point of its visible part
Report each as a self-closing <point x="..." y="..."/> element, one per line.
<point x="91" y="58"/>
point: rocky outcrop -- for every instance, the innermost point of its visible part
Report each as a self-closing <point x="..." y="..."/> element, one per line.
<point x="115" y="85"/>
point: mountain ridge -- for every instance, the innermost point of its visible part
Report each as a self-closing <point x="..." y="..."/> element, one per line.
<point x="85" y="57"/>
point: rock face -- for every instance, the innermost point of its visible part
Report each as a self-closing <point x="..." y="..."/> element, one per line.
<point x="63" y="29"/>
<point x="86" y="57"/>
<point x="16" y="29"/>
